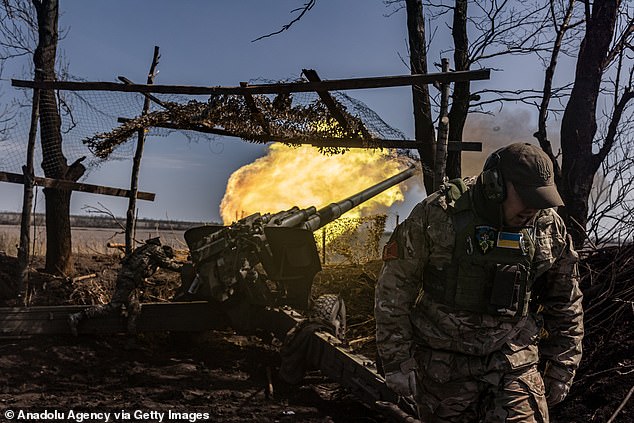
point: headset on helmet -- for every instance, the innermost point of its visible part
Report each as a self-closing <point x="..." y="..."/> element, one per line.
<point x="493" y="185"/>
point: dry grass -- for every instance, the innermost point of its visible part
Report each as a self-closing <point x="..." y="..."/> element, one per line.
<point x="84" y="240"/>
<point x="9" y="243"/>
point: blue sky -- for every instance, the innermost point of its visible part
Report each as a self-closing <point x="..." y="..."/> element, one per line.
<point x="209" y="43"/>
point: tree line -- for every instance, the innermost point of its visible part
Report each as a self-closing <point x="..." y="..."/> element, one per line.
<point x="84" y="221"/>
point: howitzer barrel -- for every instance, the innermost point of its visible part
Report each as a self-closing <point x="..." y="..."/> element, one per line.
<point x="295" y="218"/>
<point x="334" y="210"/>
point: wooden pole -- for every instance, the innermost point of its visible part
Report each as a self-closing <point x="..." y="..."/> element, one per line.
<point x="27" y="200"/>
<point x="322" y="142"/>
<point x="279" y="88"/>
<point x="136" y="164"/>
<point x="440" y="160"/>
<point x="330" y="103"/>
<point x="323" y="245"/>
<point x="136" y="218"/>
<point x="257" y="114"/>
<point x="18" y="178"/>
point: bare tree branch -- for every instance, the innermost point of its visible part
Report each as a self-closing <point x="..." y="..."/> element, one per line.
<point x="541" y="134"/>
<point x="18" y="29"/>
<point x="396" y="5"/>
<point x="623" y="40"/>
<point x="610" y="138"/>
<point x="302" y="11"/>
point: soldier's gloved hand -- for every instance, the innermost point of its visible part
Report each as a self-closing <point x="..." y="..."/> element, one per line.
<point x="403" y="379"/>
<point x="557" y="382"/>
<point x="556" y="391"/>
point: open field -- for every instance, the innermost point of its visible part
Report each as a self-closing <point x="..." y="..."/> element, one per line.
<point x="86" y="240"/>
<point x="352" y="247"/>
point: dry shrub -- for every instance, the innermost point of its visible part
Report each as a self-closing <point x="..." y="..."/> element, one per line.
<point x="9" y="243"/>
<point x="352" y="240"/>
<point x="92" y="291"/>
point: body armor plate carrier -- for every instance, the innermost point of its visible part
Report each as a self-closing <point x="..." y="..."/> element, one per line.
<point x="490" y="271"/>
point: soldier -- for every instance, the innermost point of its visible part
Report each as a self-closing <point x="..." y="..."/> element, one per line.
<point x="478" y="307"/>
<point x="135" y="268"/>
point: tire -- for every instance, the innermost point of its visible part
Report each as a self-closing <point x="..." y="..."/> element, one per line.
<point x="331" y="309"/>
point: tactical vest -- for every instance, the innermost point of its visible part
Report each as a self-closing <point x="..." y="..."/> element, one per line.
<point x="490" y="271"/>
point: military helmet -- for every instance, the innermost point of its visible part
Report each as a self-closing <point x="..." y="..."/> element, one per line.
<point x="169" y="251"/>
<point x="528" y="168"/>
<point x="154" y="241"/>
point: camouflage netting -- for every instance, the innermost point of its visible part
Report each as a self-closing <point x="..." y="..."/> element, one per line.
<point x="277" y="119"/>
<point x="88" y="119"/>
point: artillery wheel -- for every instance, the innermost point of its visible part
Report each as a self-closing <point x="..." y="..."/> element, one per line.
<point x="332" y="309"/>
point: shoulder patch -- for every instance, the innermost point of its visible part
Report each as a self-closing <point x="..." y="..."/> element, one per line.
<point x="390" y="250"/>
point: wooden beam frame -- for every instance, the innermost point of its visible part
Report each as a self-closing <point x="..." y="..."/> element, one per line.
<point x="150" y="96"/>
<point x="18" y="178"/>
<point x="326" y="142"/>
<point x="402" y="144"/>
<point x="53" y="320"/>
<point x="280" y="88"/>
<point x="330" y="102"/>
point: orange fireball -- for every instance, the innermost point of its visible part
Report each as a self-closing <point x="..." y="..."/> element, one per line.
<point x="303" y="177"/>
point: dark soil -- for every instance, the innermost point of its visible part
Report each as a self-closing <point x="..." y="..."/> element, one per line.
<point x="223" y="375"/>
<point x="226" y="375"/>
<point x="219" y="373"/>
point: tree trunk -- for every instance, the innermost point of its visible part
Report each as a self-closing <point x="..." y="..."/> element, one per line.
<point x="423" y="124"/>
<point x="54" y="164"/>
<point x="130" y="223"/>
<point x="461" y="90"/>
<point x="579" y="126"/>
<point x="440" y="160"/>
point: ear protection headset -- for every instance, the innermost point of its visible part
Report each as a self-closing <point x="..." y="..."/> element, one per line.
<point x="493" y="185"/>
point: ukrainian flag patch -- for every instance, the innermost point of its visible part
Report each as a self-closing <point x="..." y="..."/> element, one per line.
<point x="510" y="240"/>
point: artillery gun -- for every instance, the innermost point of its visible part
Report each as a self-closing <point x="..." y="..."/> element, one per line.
<point x="265" y="260"/>
<point x="259" y="271"/>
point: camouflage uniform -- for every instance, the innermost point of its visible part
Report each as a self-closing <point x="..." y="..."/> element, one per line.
<point x="135" y="268"/>
<point x="471" y="366"/>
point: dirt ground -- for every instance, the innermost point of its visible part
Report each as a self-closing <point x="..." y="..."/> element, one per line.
<point x="223" y="376"/>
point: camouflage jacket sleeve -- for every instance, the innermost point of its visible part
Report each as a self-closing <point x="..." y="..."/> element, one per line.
<point x="396" y="290"/>
<point x="560" y="296"/>
<point x="162" y="260"/>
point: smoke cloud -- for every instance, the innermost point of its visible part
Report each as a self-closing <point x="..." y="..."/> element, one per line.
<point x="507" y="127"/>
